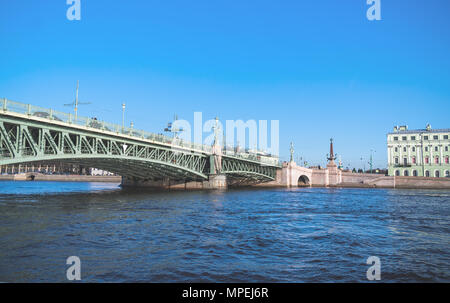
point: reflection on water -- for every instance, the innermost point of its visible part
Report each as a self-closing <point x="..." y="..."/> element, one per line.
<point x="274" y="235"/>
<point x="36" y="188"/>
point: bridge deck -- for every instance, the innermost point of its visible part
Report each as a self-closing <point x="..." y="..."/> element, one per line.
<point x="29" y="134"/>
<point x="57" y="118"/>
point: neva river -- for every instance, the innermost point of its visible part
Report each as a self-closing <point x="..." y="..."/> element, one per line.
<point x="270" y="235"/>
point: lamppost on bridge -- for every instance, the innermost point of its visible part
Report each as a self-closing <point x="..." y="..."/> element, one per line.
<point x="174" y="130"/>
<point x="292" y="152"/>
<point x="75" y="103"/>
<point x="123" y="116"/>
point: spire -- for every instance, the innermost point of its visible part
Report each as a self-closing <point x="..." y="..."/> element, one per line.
<point x="331" y="157"/>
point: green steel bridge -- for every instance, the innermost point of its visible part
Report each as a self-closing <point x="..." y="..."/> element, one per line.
<point x="30" y="133"/>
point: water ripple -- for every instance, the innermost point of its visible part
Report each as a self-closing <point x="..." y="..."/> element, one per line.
<point x="295" y="235"/>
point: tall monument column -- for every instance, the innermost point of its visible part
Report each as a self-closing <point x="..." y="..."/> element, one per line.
<point x="334" y="174"/>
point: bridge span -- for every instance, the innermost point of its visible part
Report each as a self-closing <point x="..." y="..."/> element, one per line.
<point x="30" y="133"/>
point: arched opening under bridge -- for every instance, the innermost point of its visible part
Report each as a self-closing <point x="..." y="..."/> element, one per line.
<point x="303" y="181"/>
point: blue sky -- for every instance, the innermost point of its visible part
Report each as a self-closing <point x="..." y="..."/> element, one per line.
<point x="320" y="67"/>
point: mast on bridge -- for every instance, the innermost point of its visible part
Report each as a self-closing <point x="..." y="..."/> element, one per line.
<point x="76" y="103"/>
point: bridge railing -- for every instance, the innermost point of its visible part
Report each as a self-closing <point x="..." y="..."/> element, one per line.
<point x="52" y="115"/>
<point x="271" y="160"/>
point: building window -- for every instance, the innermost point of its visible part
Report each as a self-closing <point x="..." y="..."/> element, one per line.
<point x="436" y="149"/>
<point x="425" y="137"/>
<point x="437" y="174"/>
<point x="404" y="138"/>
<point x="404" y="149"/>
<point x="436" y="160"/>
<point x="446" y="160"/>
<point x="405" y="161"/>
<point x="426" y="148"/>
<point x="427" y="160"/>
<point x="446" y="137"/>
<point x="447" y="173"/>
<point x="406" y="173"/>
<point x="396" y="160"/>
<point x="415" y="173"/>
<point x="446" y="148"/>
<point x="413" y="138"/>
<point x="413" y="159"/>
<point x="396" y="149"/>
<point x="395" y="138"/>
<point x="414" y="149"/>
<point x="435" y="137"/>
<point x="427" y="174"/>
<point x="397" y="173"/>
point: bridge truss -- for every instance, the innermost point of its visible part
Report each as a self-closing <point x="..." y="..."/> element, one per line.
<point x="31" y="134"/>
<point x="25" y="141"/>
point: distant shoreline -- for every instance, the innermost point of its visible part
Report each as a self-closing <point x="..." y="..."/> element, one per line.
<point x="417" y="184"/>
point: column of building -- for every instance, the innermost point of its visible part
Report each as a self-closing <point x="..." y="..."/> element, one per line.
<point x="389" y="155"/>
<point x="408" y="147"/>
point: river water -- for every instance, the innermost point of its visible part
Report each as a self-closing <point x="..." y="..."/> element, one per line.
<point x="246" y="235"/>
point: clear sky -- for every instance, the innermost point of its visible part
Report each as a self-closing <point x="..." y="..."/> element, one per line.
<point x="318" y="66"/>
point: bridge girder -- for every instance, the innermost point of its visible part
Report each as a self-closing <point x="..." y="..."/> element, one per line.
<point x="247" y="170"/>
<point x="25" y="141"/>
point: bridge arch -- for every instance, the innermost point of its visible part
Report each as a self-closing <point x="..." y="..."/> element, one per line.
<point x="122" y="165"/>
<point x="293" y="175"/>
<point x="303" y="181"/>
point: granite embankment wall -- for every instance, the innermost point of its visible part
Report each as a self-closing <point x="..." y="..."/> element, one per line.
<point x="320" y="178"/>
<point x="422" y="182"/>
<point x="348" y="180"/>
<point x="374" y="180"/>
<point x="366" y="180"/>
<point x="66" y="178"/>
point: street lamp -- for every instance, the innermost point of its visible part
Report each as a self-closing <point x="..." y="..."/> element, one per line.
<point x="123" y="116"/>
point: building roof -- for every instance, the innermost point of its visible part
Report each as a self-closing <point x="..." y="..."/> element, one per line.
<point x="415" y="131"/>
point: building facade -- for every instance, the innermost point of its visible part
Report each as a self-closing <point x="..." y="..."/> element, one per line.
<point x="421" y="152"/>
